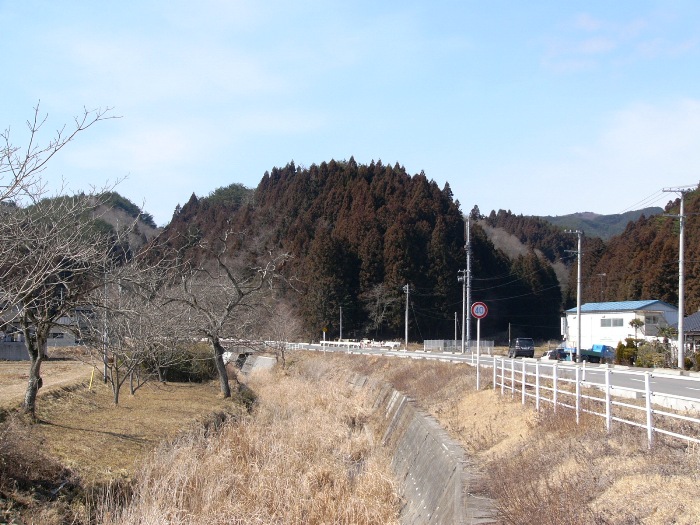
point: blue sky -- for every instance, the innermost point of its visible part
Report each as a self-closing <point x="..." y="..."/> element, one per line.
<point x="542" y="107"/>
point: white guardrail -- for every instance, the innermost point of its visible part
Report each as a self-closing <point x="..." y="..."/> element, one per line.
<point x="562" y="384"/>
<point x="548" y="383"/>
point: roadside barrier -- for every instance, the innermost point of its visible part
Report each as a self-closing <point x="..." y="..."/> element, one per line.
<point x="565" y="386"/>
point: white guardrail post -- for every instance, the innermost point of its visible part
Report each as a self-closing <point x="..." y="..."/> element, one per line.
<point x="524" y="382"/>
<point x="554" y="385"/>
<point x="578" y="394"/>
<point x="608" y="402"/>
<point x="537" y="386"/>
<point x="495" y="384"/>
<point x="503" y="375"/>
<point x="512" y="377"/>
<point x="647" y="396"/>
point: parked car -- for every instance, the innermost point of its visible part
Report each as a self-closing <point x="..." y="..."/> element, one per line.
<point x="522" y="346"/>
<point x="558" y="354"/>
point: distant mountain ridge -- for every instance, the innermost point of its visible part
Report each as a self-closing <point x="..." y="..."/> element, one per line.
<point x="603" y="226"/>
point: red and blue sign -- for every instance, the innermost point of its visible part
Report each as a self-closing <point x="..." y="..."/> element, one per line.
<point x="479" y="310"/>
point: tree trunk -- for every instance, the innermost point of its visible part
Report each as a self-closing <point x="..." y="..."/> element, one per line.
<point x="36" y="348"/>
<point x="284" y="358"/>
<point x="220" y="367"/>
<point x="116" y="381"/>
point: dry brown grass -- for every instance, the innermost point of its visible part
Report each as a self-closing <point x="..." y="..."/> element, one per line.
<point x="311" y="445"/>
<point x="100" y="441"/>
<point x="306" y="454"/>
<point x="82" y="440"/>
<point x="542" y="467"/>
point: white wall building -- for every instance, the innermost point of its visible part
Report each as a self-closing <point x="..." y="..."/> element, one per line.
<point x="609" y="323"/>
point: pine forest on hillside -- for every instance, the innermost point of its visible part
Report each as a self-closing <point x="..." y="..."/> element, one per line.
<point x="640" y="263"/>
<point x="359" y="234"/>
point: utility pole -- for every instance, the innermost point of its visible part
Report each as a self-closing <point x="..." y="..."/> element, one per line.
<point x="406" y="289"/>
<point x="602" y="287"/>
<point x="456" y="329"/>
<point x="681" y="273"/>
<point x="469" y="284"/>
<point x="466" y="279"/>
<point x="341" y="324"/>
<point x="463" y="279"/>
<point x="579" y="234"/>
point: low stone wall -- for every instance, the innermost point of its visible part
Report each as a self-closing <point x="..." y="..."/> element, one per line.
<point x="435" y="480"/>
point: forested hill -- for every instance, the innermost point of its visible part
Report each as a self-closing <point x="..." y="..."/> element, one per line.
<point x="361" y="233"/>
<point x="603" y="226"/>
<point x="535" y="232"/>
<point x="643" y="262"/>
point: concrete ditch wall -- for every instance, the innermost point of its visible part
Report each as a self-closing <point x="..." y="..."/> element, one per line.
<point x="435" y="479"/>
<point x="258" y="362"/>
<point x="436" y="482"/>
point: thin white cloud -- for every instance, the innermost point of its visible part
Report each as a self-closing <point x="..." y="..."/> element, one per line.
<point x="282" y="122"/>
<point x="587" y="22"/>
<point x="596" y="45"/>
<point x="587" y="42"/>
<point x="642" y="148"/>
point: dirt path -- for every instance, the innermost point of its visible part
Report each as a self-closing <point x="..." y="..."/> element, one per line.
<point x="15" y="374"/>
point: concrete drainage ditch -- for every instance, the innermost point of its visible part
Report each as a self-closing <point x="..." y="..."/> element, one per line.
<point x="435" y="479"/>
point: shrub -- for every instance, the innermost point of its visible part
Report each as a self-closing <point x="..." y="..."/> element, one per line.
<point x="626" y="354"/>
<point x="197" y="366"/>
<point x="651" y="355"/>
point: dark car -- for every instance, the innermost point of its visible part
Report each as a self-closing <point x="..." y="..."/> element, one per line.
<point x="522" y="347"/>
<point x="559" y="354"/>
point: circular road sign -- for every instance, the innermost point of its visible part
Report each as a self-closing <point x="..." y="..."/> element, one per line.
<point x="479" y="310"/>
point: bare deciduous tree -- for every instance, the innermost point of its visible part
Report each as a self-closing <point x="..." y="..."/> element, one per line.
<point x="131" y="333"/>
<point x="129" y="329"/>
<point x="281" y="326"/>
<point x="21" y="166"/>
<point x="47" y="250"/>
<point x="379" y="303"/>
<point x="224" y="294"/>
<point x="51" y="253"/>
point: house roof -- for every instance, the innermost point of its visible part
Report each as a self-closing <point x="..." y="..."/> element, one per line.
<point x="620" y="306"/>
<point x="690" y="323"/>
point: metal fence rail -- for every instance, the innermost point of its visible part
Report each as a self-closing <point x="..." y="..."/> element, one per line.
<point x="561" y="385"/>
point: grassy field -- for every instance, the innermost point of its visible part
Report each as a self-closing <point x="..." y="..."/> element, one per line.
<point x="286" y="462"/>
<point x="82" y="440"/>
<point x="540" y="468"/>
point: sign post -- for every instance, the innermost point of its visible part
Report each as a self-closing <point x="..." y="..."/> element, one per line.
<point x="479" y="311"/>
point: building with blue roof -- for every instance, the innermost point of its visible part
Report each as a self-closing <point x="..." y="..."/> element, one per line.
<point x="609" y="323"/>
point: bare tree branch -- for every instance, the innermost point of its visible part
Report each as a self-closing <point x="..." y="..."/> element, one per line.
<point x="21" y="168"/>
<point x="223" y="294"/>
